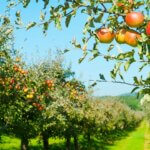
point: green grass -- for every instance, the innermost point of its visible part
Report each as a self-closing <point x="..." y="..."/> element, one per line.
<point x="134" y="141"/>
<point x="138" y="139"/>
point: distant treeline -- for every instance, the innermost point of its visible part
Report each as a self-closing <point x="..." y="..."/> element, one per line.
<point x="129" y="99"/>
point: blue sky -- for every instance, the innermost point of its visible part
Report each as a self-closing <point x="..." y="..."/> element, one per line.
<point x="34" y="45"/>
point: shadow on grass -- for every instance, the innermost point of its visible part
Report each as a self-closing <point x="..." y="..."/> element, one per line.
<point x="99" y="143"/>
<point x="54" y="146"/>
<point x="95" y="143"/>
<point x="103" y="143"/>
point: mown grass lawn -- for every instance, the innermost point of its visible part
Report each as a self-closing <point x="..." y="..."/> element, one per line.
<point x="11" y="143"/>
<point x="138" y="139"/>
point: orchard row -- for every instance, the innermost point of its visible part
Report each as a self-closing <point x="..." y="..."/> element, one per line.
<point x="46" y="100"/>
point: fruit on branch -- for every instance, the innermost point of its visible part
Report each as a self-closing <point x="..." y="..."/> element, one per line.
<point x="30" y="96"/>
<point x="17" y="87"/>
<point x="49" y="83"/>
<point x="134" y="19"/>
<point x="148" y="29"/>
<point x="120" y="36"/>
<point x="25" y="89"/>
<point x="16" y="68"/>
<point x="132" y="37"/>
<point x="105" y="35"/>
<point x="40" y="108"/>
<point x="126" y="8"/>
<point x="12" y="81"/>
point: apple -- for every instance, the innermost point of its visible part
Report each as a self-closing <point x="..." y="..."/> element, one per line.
<point x="16" y="68"/>
<point x="23" y="72"/>
<point x="17" y="87"/>
<point x="148" y="29"/>
<point x="134" y="19"/>
<point x="40" y="108"/>
<point x="49" y="83"/>
<point x="132" y="37"/>
<point x="105" y="35"/>
<point x="25" y="89"/>
<point x="30" y="96"/>
<point x="12" y="81"/>
<point x="120" y="36"/>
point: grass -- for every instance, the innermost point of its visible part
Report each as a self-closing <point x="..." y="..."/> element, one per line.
<point x="138" y="139"/>
<point x="135" y="140"/>
<point x="11" y="143"/>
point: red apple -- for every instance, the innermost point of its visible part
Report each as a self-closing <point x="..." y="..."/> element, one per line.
<point x="148" y="29"/>
<point x="132" y="37"/>
<point x="105" y="35"/>
<point x="134" y="19"/>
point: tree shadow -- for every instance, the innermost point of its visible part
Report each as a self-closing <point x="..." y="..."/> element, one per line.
<point x="96" y="143"/>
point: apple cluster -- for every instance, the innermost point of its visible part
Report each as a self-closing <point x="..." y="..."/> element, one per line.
<point x="125" y="35"/>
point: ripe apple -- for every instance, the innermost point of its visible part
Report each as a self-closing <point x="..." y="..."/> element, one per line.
<point x="12" y="81"/>
<point x="23" y="72"/>
<point x="148" y="29"/>
<point x="25" y="89"/>
<point x="30" y="96"/>
<point x="40" y="108"/>
<point x="132" y="37"/>
<point x="105" y="35"/>
<point x="134" y="19"/>
<point x="120" y="36"/>
<point x="49" y="83"/>
<point x="17" y="87"/>
<point x="16" y="68"/>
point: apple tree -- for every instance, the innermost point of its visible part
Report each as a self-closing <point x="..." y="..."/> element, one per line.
<point x="126" y="21"/>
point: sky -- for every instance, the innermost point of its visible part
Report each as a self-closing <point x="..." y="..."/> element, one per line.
<point x="34" y="46"/>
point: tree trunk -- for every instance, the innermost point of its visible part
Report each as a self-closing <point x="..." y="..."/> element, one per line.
<point x="89" y="138"/>
<point x="45" y="143"/>
<point x="68" y="143"/>
<point x="76" y="145"/>
<point x="24" y="143"/>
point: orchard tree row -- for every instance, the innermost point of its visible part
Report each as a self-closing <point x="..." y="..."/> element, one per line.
<point x="46" y="100"/>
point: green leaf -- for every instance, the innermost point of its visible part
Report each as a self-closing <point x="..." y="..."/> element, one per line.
<point x="127" y="65"/>
<point x="17" y="14"/>
<point x="102" y="77"/>
<point x="46" y="2"/>
<point x="121" y="76"/>
<point x="68" y="19"/>
<point x="134" y="89"/>
<point x="42" y="16"/>
<point x="82" y="58"/>
<point x="99" y="18"/>
<point x="110" y="47"/>
<point x="30" y="25"/>
<point x="94" y="84"/>
<point x="95" y="54"/>
<point x="113" y="74"/>
<point x="66" y="50"/>
<point x="25" y="3"/>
